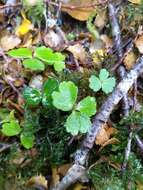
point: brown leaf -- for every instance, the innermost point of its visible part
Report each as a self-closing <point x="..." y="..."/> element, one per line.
<point x="139" y="43"/>
<point x="130" y="60"/>
<point x="62" y="170"/>
<point x="110" y="141"/>
<point x="105" y="134"/>
<point x="135" y="1"/>
<point x="37" y="181"/>
<point x="78" y="13"/>
<point x="53" y="40"/>
<point x="78" y="52"/>
<point x="8" y="42"/>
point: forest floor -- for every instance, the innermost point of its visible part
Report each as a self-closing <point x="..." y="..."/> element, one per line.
<point x="71" y="95"/>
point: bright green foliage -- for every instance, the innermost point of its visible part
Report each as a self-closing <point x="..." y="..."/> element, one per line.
<point x="95" y="83"/>
<point x="47" y="55"/>
<point x="20" y="53"/>
<point x="32" y="96"/>
<point x="87" y="106"/>
<point x="34" y="64"/>
<point x="49" y="86"/>
<point x="104" y="82"/>
<point x="66" y="97"/>
<point x="27" y="140"/>
<point x="77" y="122"/>
<point x="44" y="54"/>
<point x="11" y="127"/>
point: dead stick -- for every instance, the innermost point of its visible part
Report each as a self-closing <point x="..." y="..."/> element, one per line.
<point x="118" y="44"/>
<point x="101" y="118"/>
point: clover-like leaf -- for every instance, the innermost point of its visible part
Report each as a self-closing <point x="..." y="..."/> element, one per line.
<point x="11" y="127"/>
<point x="27" y="140"/>
<point x="104" y="82"/>
<point x="59" y="62"/>
<point x="87" y="106"/>
<point x="77" y="123"/>
<point x="45" y="54"/>
<point x="32" y="96"/>
<point x="103" y="75"/>
<point x="108" y="85"/>
<point x="66" y="97"/>
<point x="34" y="64"/>
<point x="20" y="53"/>
<point x="48" y="88"/>
<point x="94" y="83"/>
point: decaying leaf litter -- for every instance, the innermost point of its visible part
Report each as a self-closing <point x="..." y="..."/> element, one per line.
<point x="71" y="94"/>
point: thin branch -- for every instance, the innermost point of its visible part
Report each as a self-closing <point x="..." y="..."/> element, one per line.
<point x="101" y="118"/>
<point x="10" y="6"/>
<point x="127" y="152"/>
<point x="118" y="44"/>
<point x="139" y="142"/>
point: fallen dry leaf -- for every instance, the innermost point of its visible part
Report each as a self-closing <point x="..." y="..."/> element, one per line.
<point x="139" y="43"/>
<point x="62" y="170"/>
<point x="53" y="40"/>
<point x="135" y="1"/>
<point x="9" y="41"/>
<point x="37" y="181"/>
<point x="101" y="19"/>
<point x="78" y="13"/>
<point x="110" y="141"/>
<point x="55" y="176"/>
<point x="105" y="134"/>
<point x="78" y="52"/>
<point x="129" y="60"/>
<point x="25" y="26"/>
<point x="79" y="186"/>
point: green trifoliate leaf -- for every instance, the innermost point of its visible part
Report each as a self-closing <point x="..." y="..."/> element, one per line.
<point x="32" y="96"/>
<point x="45" y="54"/>
<point x="87" y="106"/>
<point x="108" y="85"/>
<point x="34" y="64"/>
<point x="11" y="127"/>
<point x="103" y="75"/>
<point x="49" y="86"/>
<point x="66" y="97"/>
<point x="27" y="140"/>
<point x="20" y="53"/>
<point x="51" y="58"/>
<point x="77" y="123"/>
<point x="94" y="83"/>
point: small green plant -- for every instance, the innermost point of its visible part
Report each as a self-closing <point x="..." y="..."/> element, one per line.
<point x="11" y="127"/>
<point x="63" y="96"/>
<point x="41" y="57"/>
<point x="103" y="82"/>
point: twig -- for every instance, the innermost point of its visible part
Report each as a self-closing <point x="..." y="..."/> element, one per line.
<point x="101" y="118"/>
<point x="118" y="44"/>
<point x="139" y="142"/>
<point x="127" y="152"/>
<point x="10" y="6"/>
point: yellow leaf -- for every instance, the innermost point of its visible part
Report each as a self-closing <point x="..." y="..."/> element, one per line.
<point x="55" y="176"/>
<point x="37" y="181"/>
<point x="81" y="10"/>
<point x="135" y="1"/>
<point x="79" y="187"/>
<point x="25" y="26"/>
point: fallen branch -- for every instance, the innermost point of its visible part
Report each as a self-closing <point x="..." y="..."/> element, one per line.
<point x="139" y="142"/>
<point x="118" y="44"/>
<point x="101" y="117"/>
